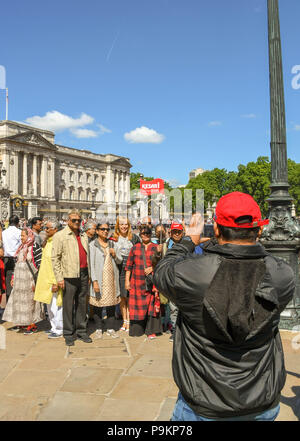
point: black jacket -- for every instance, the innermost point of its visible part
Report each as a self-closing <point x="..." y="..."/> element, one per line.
<point x="227" y="356"/>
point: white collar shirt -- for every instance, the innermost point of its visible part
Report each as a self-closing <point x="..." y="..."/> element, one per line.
<point x="11" y="238"/>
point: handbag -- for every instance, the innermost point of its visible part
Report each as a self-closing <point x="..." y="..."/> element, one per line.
<point x="149" y="277"/>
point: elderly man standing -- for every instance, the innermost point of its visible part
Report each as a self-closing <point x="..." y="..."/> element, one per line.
<point x="47" y="290"/>
<point x="70" y="259"/>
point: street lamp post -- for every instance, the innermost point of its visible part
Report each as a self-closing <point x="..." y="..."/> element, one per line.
<point x="282" y="236"/>
<point x="93" y="208"/>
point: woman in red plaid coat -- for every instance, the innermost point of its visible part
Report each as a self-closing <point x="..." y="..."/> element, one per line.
<point x="144" y="306"/>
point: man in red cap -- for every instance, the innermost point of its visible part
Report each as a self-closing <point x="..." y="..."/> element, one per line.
<point x="227" y="360"/>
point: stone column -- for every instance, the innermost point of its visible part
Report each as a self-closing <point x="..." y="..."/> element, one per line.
<point x="34" y="175"/>
<point x="5" y="159"/>
<point x="25" y="175"/>
<point x="51" y="178"/>
<point x="127" y="199"/>
<point x="44" y="177"/>
<point x="15" y="168"/>
<point x="109" y="187"/>
<point x="117" y="177"/>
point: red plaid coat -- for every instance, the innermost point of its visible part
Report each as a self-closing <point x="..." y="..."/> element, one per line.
<point x="141" y="302"/>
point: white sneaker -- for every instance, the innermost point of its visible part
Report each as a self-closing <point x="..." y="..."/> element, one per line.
<point x="112" y="333"/>
<point x="99" y="333"/>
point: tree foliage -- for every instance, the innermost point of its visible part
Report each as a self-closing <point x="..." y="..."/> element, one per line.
<point x="253" y="178"/>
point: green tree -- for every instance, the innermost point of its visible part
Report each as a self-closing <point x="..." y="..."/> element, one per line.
<point x="294" y="181"/>
<point x="215" y="184"/>
<point x="254" y="179"/>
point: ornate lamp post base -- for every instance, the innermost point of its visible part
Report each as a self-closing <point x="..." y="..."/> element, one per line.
<point x="282" y="236"/>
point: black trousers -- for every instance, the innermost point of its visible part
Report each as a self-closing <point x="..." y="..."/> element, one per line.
<point x="9" y="266"/>
<point x="109" y="322"/>
<point x="74" y="305"/>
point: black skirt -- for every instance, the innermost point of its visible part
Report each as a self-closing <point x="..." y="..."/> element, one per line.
<point x="122" y="273"/>
<point x="151" y="325"/>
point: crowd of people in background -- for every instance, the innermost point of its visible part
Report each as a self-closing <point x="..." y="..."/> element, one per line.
<point x="76" y="270"/>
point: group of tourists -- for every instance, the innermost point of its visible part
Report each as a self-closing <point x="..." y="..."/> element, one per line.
<point x="83" y="271"/>
<point x="222" y="296"/>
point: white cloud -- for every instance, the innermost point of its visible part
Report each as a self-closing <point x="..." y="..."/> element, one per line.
<point x="58" y="122"/>
<point x="84" y="133"/>
<point x="297" y="127"/>
<point x="144" y="135"/>
<point x="214" y="123"/>
<point x="103" y="129"/>
<point x="249" y="115"/>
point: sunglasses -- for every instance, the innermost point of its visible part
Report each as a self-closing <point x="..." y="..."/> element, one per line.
<point x="145" y="233"/>
<point x="75" y="220"/>
<point x="177" y="231"/>
<point x="104" y="229"/>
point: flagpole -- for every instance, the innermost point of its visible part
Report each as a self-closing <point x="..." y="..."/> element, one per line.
<point x="6" y="103"/>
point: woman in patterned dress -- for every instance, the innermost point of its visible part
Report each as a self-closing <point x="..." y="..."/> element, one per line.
<point x="105" y="288"/>
<point x="21" y="308"/>
<point x="144" y="305"/>
<point x="124" y="240"/>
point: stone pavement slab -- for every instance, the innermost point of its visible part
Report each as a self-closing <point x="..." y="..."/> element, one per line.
<point x="123" y="379"/>
<point x="70" y="406"/>
<point x="91" y="380"/>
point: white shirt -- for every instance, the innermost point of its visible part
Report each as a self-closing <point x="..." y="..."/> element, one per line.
<point x="11" y="239"/>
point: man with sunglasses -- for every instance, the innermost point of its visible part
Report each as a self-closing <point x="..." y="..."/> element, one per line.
<point x="70" y="259"/>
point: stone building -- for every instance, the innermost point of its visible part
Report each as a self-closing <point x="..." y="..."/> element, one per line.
<point x="48" y="179"/>
<point x="196" y="172"/>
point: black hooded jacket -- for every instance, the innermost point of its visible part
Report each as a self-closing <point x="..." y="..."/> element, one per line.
<point x="227" y="355"/>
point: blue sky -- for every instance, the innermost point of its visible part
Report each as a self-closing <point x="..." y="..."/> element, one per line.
<point x="173" y="85"/>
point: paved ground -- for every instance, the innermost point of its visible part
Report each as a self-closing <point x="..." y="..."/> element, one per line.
<point x="110" y="379"/>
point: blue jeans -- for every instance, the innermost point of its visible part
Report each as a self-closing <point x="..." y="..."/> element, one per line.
<point x="183" y="412"/>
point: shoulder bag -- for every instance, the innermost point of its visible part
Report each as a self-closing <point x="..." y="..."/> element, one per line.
<point x="149" y="277"/>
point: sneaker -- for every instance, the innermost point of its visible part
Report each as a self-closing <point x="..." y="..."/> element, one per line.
<point x="171" y="339"/>
<point x="152" y="336"/>
<point x="15" y="328"/>
<point x="54" y="335"/>
<point x="30" y="330"/>
<point x="112" y="333"/>
<point x="85" y="338"/>
<point x="98" y="333"/>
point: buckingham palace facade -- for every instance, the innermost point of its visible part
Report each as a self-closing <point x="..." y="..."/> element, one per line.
<point x="46" y="179"/>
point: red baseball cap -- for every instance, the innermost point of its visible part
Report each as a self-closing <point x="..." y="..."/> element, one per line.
<point x="176" y="226"/>
<point x="235" y="209"/>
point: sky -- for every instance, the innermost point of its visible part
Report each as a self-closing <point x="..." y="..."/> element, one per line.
<point x="173" y="85"/>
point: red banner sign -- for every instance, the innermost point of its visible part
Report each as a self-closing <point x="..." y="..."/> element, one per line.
<point x="152" y="187"/>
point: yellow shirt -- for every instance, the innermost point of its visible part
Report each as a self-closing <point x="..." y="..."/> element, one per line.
<point x="46" y="278"/>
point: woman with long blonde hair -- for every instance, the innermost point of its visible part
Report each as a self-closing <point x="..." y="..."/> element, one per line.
<point x="124" y="241"/>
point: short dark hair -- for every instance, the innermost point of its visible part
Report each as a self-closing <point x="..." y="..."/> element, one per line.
<point x="231" y="233"/>
<point x="13" y="220"/>
<point x="34" y="220"/>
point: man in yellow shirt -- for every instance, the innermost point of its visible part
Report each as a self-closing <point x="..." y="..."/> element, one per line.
<point x="47" y="290"/>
